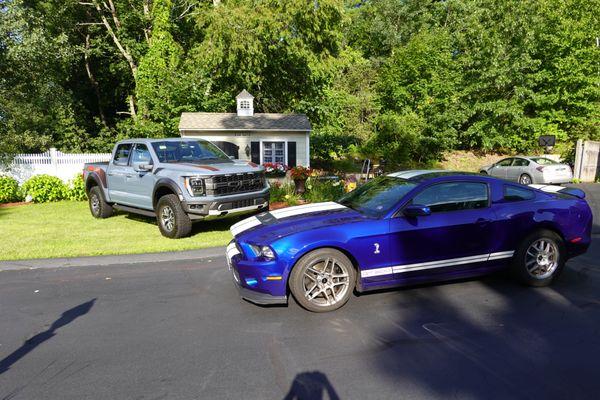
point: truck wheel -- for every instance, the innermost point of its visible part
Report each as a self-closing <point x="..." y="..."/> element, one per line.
<point x="98" y="207"/>
<point x="173" y="222"/>
<point x="322" y="280"/>
<point x="540" y="258"/>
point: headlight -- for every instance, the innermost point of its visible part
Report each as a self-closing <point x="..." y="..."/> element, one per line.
<point x="263" y="251"/>
<point x="195" y="186"/>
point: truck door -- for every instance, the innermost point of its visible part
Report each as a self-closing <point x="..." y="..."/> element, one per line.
<point x="140" y="183"/>
<point x="117" y="172"/>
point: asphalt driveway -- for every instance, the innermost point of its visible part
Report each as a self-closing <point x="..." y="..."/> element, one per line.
<point x="177" y="330"/>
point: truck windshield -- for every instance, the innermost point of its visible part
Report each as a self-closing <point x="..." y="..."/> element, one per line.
<point x="378" y="196"/>
<point x="190" y="151"/>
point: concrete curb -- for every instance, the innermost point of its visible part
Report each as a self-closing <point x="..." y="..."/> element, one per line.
<point x="212" y="252"/>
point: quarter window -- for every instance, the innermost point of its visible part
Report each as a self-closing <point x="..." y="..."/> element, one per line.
<point x="122" y="154"/>
<point x="453" y="196"/>
<point x="514" y="193"/>
<point x="274" y="152"/>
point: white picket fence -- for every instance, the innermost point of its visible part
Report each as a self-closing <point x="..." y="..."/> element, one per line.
<point x="52" y="162"/>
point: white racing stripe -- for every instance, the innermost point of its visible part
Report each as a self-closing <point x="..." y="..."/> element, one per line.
<point x="548" y="188"/>
<point x="251" y="222"/>
<point x="232" y="250"/>
<point x="435" y="264"/>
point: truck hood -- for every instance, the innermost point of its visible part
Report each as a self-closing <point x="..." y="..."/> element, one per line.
<point x="235" y="167"/>
<point x="273" y="225"/>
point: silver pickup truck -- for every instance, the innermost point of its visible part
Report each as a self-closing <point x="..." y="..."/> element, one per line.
<point x="175" y="180"/>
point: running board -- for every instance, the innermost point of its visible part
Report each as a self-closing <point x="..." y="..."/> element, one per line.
<point x="134" y="210"/>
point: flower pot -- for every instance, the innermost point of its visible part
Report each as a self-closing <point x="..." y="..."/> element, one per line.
<point x="300" y="186"/>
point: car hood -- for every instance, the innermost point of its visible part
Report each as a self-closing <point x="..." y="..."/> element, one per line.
<point x="269" y="226"/>
<point x="213" y="168"/>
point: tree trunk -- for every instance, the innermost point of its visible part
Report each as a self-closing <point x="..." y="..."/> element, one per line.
<point x="93" y="81"/>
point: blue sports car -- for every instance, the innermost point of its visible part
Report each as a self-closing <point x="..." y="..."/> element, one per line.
<point x="406" y="228"/>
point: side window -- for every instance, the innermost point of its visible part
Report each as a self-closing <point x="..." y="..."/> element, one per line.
<point x="514" y="193"/>
<point x="141" y="155"/>
<point x="122" y="154"/>
<point x="454" y="196"/>
<point x="505" y="162"/>
<point x="520" y="162"/>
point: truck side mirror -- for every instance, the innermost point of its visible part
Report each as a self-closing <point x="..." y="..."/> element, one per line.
<point x="141" y="167"/>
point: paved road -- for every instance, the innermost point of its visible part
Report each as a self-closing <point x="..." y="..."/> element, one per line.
<point x="177" y="330"/>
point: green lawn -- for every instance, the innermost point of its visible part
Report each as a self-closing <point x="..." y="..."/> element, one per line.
<point x="66" y="229"/>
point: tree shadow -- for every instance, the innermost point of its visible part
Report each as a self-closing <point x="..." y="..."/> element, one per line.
<point x="311" y="386"/>
<point x="30" y="344"/>
<point x="493" y="338"/>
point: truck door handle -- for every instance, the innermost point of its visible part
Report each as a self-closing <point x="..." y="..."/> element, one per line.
<point x="111" y="174"/>
<point x="129" y="175"/>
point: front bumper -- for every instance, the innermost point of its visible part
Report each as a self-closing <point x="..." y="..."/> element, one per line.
<point x="221" y="206"/>
<point x="251" y="279"/>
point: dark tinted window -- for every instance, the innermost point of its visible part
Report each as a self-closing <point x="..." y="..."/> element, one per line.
<point x="122" y="154"/>
<point x="520" y="162"/>
<point x="141" y="155"/>
<point x="453" y="196"/>
<point x="378" y="196"/>
<point x="505" y="162"/>
<point x="515" y="193"/>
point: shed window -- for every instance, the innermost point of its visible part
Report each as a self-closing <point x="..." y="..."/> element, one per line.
<point x="274" y="152"/>
<point x="245" y="104"/>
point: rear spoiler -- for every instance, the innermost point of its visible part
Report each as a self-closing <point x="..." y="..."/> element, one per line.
<point x="560" y="189"/>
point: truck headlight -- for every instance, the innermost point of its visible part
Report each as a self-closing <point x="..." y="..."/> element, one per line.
<point x="263" y="251"/>
<point x="195" y="186"/>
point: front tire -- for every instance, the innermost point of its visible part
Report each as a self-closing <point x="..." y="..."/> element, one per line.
<point x="540" y="258"/>
<point x="172" y="220"/>
<point x="525" y="179"/>
<point x="323" y="280"/>
<point x="98" y="207"/>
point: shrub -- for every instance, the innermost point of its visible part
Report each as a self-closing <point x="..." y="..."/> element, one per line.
<point x="76" y="189"/>
<point x="280" y="191"/>
<point x="323" y="190"/>
<point x="9" y="190"/>
<point x="45" y="188"/>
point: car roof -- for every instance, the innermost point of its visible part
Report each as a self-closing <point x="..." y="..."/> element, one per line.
<point x="149" y="140"/>
<point x="420" y="175"/>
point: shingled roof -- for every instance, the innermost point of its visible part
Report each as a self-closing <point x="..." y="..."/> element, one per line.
<point x="202" y="121"/>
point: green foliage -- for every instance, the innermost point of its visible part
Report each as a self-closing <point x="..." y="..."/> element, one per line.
<point x="76" y="189"/>
<point x="45" y="189"/>
<point x="9" y="190"/>
<point x="281" y="192"/>
<point x="319" y="190"/>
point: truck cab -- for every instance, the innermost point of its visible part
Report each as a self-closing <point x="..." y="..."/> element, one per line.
<point x="175" y="180"/>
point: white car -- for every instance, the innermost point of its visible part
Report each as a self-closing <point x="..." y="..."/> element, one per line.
<point x="528" y="170"/>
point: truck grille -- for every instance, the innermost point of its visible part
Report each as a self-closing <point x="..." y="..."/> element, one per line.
<point x="221" y="185"/>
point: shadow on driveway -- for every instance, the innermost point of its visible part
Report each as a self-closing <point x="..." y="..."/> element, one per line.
<point x="66" y="318"/>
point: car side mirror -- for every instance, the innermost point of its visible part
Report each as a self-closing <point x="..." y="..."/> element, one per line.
<point x="141" y="167"/>
<point x="416" y="210"/>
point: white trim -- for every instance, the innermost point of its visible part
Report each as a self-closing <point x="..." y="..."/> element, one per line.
<point x="285" y="150"/>
<point x="307" y="150"/>
<point x="283" y="131"/>
<point x="398" y="269"/>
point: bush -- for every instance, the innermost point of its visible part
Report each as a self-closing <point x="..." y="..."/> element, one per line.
<point x="323" y="190"/>
<point x="9" y="190"/>
<point x="45" y="188"/>
<point x="76" y="189"/>
<point x="280" y="191"/>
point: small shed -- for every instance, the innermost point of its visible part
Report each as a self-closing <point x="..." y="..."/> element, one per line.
<point x="257" y="137"/>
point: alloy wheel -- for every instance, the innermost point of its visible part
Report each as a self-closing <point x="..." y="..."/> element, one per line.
<point x="525" y="180"/>
<point x="168" y="218"/>
<point x="541" y="258"/>
<point x="95" y="203"/>
<point x="325" y="282"/>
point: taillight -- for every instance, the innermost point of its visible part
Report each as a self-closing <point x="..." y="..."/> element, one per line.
<point x="541" y="169"/>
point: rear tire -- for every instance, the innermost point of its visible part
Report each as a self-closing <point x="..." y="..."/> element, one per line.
<point x="483" y="172"/>
<point x="525" y="179"/>
<point x="98" y="207"/>
<point x="540" y="258"/>
<point x="323" y="280"/>
<point x="172" y="220"/>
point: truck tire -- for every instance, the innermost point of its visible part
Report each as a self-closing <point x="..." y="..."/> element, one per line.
<point x="98" y="207"/>
<point x="173" y="222"/>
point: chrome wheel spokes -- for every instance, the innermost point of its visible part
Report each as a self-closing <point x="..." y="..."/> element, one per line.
<point x="541" y="258"/>
<point x="326" y="282"/>
<point x="168" y="218"/>
<point x="95" y="202"/>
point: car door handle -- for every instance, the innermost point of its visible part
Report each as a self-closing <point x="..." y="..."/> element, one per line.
<point x="483" y="221"/>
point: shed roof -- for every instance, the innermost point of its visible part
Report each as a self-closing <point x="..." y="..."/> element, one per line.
<point x="203" y="121"/>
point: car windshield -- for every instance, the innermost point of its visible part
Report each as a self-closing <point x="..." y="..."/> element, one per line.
<point x="543" y="161"/>
<point x="190" y="151"/>
<point x="378" y="196"/>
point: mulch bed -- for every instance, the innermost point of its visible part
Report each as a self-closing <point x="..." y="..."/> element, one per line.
<point x="282" y="204"/>
<point x="20" y="203"/>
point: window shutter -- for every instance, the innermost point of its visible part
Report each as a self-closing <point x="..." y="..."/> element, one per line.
<point x="291" y="153"/>
<point x="255" y="152"/>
